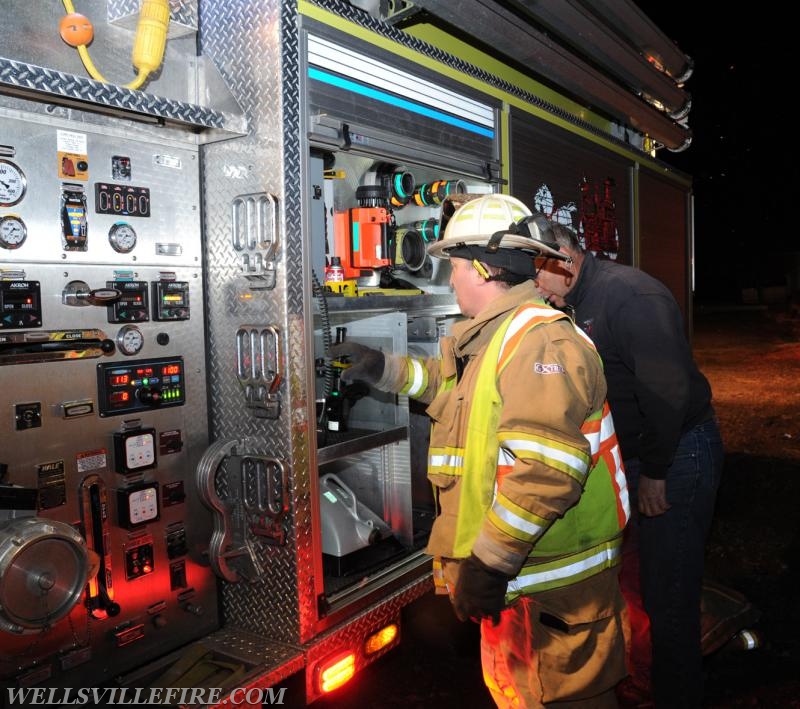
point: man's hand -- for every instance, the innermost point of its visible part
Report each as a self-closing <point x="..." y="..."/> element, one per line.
<point x="366" y="364"/>
<point x="652" y="496"/>
<point x="480" y="592"/>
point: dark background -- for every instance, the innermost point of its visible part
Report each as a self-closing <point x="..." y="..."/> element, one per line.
<point x="742" y="156"/>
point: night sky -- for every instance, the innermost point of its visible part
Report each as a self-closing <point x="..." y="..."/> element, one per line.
<point x="742" y="155"/>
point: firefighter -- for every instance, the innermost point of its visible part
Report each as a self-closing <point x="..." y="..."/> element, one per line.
<point x="672" y="452"/>
<point x="524" y="461"/>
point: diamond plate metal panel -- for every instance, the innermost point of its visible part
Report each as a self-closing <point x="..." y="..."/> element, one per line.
<point x="254" y="45"/>
<point x="182" y="15"/>
<point x="56" y="85"/>
<point x="274" y="662"/>
<point x="253" y="649"/>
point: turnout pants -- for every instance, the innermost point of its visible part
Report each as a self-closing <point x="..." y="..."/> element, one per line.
<point x="562" y="648"/>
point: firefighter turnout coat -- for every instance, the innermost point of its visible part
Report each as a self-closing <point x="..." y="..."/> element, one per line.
<point x="523" y="455"/>
<point x="528" y="477"/>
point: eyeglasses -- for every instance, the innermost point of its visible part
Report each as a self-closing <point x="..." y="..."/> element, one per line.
<point x="551" y="265"/>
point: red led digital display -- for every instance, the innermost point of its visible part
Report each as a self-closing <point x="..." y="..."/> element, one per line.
<point x="139" y="386"/>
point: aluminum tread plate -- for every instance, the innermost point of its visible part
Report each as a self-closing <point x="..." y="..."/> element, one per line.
<point x="58" y="85"/>
<point x="255" y="47"/>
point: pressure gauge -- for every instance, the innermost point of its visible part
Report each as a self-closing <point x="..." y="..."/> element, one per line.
<point x="12" y="231"/>
<point x="122" y="237"/>
<point x="130" y="340"/>
<point x="12" y="183"/>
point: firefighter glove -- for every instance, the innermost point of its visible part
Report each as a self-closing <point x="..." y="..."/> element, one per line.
<point x="366" y="364"/>
<point x="480" y="591"/>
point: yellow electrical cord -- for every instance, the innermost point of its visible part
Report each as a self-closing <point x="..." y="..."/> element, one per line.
<point x="148" y="47"/>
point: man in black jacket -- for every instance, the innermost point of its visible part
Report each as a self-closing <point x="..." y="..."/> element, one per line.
<point x="670" y="444"/>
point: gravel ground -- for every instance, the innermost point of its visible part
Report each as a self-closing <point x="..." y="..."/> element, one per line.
<point x="752" y="360"/>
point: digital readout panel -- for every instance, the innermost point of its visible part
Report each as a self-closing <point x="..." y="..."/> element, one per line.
<point x="143" y="385"/>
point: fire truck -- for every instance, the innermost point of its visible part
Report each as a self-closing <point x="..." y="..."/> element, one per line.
<point x="197" y="198"/>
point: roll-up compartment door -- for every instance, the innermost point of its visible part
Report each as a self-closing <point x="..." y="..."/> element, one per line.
<point x="663" y="242"/>
<point x="573" y="181"/>
<point x="364" y="99"/>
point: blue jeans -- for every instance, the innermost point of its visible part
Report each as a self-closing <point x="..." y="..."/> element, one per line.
<point x="672" y="551"/>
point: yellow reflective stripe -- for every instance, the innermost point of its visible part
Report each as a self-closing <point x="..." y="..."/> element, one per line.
<point x="567" y="570"/>
<point x="570" y="461"/>
<point x="438" y="575"/>
<point x="592" y="429"/>
<point x="417" y="381"/>
<point x="516" y="521"/>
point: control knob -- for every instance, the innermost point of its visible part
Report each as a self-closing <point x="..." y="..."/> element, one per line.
<point x="150" y="396"/>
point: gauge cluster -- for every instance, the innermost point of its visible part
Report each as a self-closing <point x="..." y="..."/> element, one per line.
<point x="103" y="401"/>
<point x="13" y="186"/>
<point x="107" y="229"/>
<point x="81" y="196"/>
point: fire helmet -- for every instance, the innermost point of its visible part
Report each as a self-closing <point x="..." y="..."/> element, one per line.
<point x="499" y="230"/>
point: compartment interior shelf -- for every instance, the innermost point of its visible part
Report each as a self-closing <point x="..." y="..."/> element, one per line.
<point x="430" y="303"/>
<point x="343" y="443"/>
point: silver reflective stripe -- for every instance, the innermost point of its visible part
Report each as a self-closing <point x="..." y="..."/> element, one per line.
<point x="417" y="383"/>
<point x="574" y="462"/>
<point x="446" y="461"/>
<point x="522" y="319"/>
<point x="598" y="560"/>
<point x="622" y="482"/>
<point x="594" y="441"/>
<point x="516" y="521"/>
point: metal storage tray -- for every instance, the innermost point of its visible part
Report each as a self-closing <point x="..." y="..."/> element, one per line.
<point x="354" y="441"/>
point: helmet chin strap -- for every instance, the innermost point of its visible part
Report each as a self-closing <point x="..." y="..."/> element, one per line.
<point x="494" y="241"/>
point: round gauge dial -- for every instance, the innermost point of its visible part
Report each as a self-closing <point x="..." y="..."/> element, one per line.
<point x="130" y="340"/>
<point x="12" y="183"/>
<point x="13" y="231"/>
<point x="122" y="237"/>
